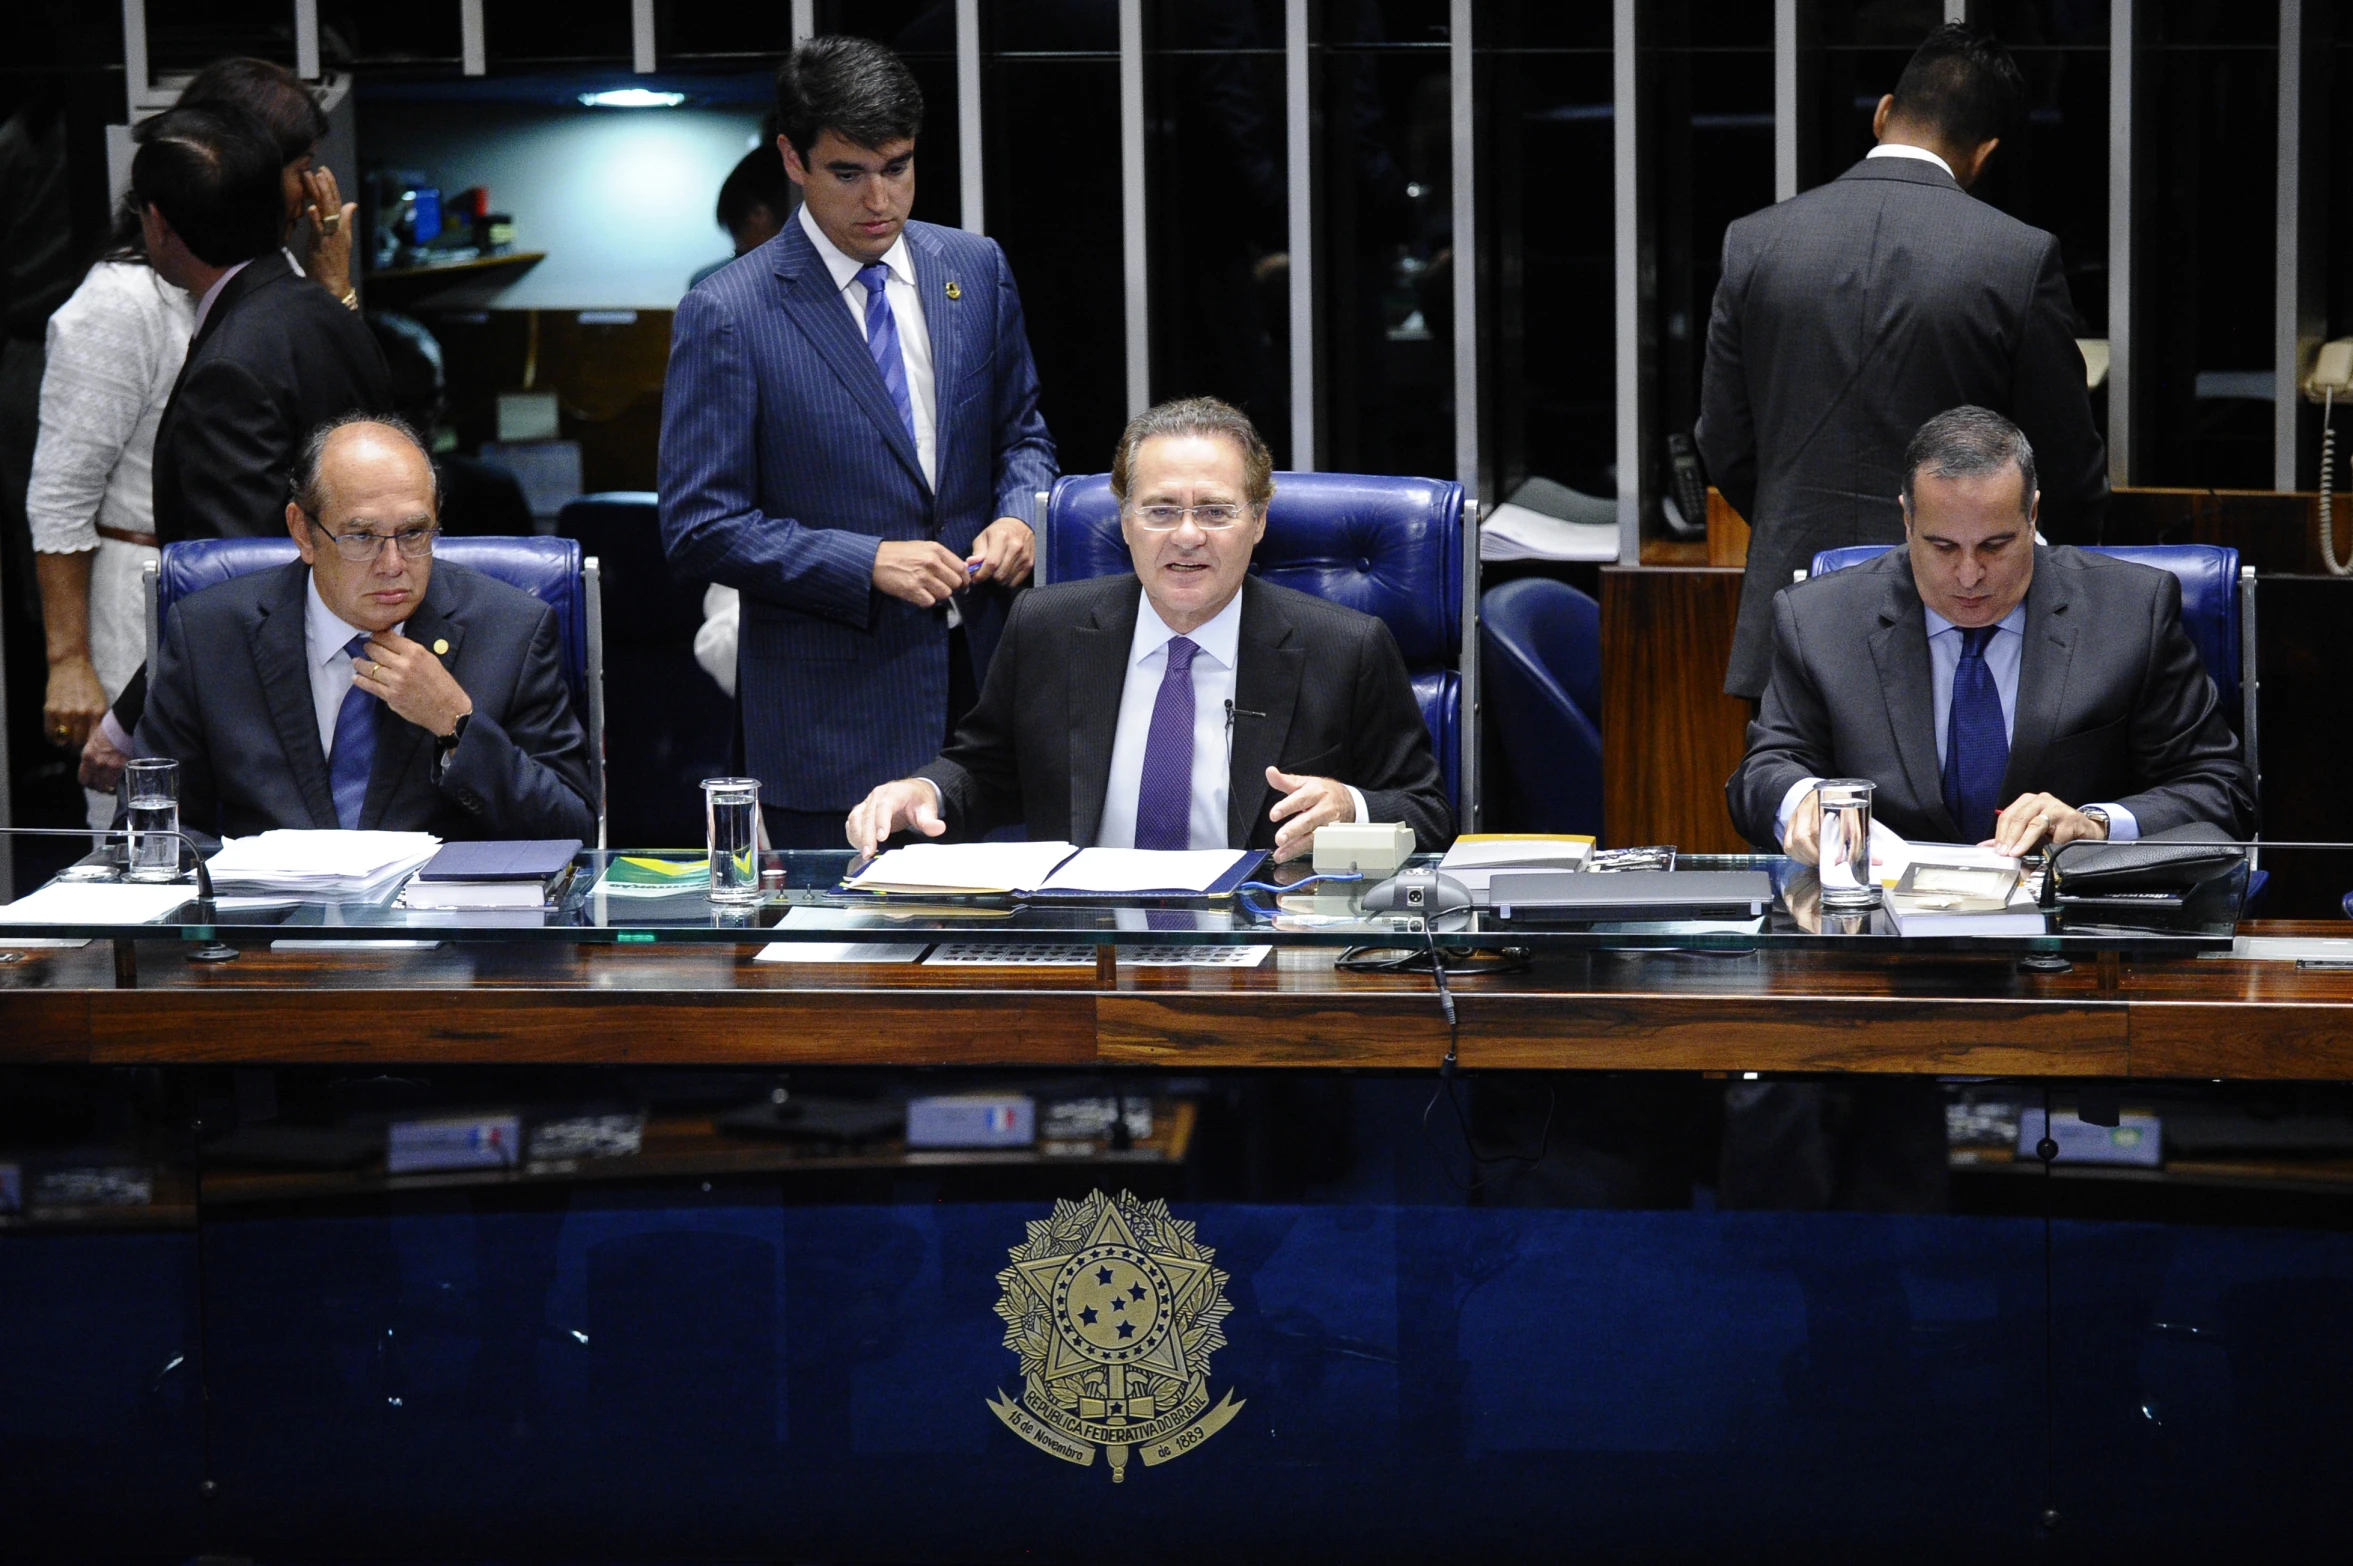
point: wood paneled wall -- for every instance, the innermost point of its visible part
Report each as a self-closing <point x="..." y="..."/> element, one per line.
<point x="1669" y="734"/>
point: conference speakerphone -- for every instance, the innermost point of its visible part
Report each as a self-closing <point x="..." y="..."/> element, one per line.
<point x="1629" y="896"/>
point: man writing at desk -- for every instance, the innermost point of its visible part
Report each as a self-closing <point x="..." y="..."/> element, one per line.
<point x="362" y="685"/>
<point x="1189" y="705"/>
<point x="1994" y="690"/>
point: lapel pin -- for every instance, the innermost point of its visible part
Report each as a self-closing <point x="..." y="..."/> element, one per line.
<point x="954" y="292"/>
<point x="440" y="645"/>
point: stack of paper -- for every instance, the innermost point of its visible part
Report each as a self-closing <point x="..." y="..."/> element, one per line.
<point x="89" y="903"/>
<point x="348" y="867"/>
<point x="1477" y="855"/>
<point x="1544" y="520"/>
<point x="1048" y="868"/>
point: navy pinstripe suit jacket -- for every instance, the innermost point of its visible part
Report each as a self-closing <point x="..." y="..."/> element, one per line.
<point x="785" y="465"/>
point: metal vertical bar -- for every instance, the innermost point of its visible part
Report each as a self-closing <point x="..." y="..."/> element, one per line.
<point x="306" y="39"/>
<point x="2123" y="47"/>
<point x="1299" y="161"/>
<point x="1465" y="241"/>
<point x="804" y="20"/>
<point x="2298" y="301"/>
<point x="641" y="36"/>
<point x="1631" y="202"/>
<point x="970" y="170"/>
<point x="1133" y="269"/>
<point x="135" y="77"/>
<point x="1786" y="105"/>
<point x="475" y="54"/>
<point x="1956" y="10"/>
<point x="1462" y="113"/>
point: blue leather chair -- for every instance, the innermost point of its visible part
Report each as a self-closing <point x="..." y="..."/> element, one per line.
<point x="551" y="570"/>
<point x="2217" y="610"/>
<point x="667" y="726"/>
<point x="1540" y="667"/>
<point x="1390" y="547"/>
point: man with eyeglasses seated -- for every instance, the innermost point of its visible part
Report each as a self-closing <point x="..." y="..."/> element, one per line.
<point x="362" y="685"/>
<point x="1190" y="705"/>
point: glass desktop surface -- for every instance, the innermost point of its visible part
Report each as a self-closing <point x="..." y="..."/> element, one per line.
<point x="809" y="905"/>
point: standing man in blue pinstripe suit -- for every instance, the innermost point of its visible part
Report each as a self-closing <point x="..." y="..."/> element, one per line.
<point x="851" y="437"/>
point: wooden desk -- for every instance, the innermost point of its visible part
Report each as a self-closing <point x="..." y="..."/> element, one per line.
<point x="1776" y="1011"/>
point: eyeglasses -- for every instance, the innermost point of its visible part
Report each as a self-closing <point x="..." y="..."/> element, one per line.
<point x="1209" y="519"/>
<point x="414" y="543"/>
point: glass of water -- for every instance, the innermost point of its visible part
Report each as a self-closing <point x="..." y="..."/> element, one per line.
<point x="152" y="784"/>
<point x="731" y="821"/>
<point x="1847" y="881"/>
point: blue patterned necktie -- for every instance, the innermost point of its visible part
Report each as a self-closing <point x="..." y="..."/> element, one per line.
<point x="354" y="755"/>
<point x="882" y="341"/>
<point x="1977" y="747"/>
<point x="1164" y="796"/>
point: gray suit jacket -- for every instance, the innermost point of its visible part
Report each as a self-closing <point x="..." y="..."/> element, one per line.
<point x="1319" y="690"/>
<point x="1847" y="318"/>
<point x="2113" y="702"/>
<point x="231" y="701"/>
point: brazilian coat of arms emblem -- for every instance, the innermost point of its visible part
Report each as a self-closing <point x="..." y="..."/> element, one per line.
<point x="1113" y="1310"/>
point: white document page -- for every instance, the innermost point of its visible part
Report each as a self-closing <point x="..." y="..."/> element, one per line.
<point x="963" y="867"/>
<point x="1144" y="869"/>
<point x="1892" y="854"/>
<point x="96" y="902"/>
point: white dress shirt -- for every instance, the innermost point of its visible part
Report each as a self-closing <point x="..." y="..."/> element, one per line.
<point x="204" y="305"/>
<point x="1896" y="149"/>
<point x="906" y="302"/>
<point x="1220" y="641"/>
<point x="330" y="666"/>
<point x="2005" y="654"/>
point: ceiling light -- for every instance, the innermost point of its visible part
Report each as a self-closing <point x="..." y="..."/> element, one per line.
<point x="632" y="98"/>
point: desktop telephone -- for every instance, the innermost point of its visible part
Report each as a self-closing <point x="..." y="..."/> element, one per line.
<point x="2330" y="379"/>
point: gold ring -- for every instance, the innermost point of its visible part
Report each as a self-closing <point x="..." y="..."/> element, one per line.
<point x="329" y="222"/>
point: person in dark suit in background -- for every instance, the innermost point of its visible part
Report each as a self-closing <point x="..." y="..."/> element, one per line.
<point x="363" y="685"/>
<point x="1849" y="315"/>
<point x="851" y="437"/>
<point x="1188" y="705"/>
<point x="273" y="356"/>
<point x="1992" y="689"/>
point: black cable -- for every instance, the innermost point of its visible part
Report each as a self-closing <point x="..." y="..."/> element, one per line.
<point x="1448" y="1065"/>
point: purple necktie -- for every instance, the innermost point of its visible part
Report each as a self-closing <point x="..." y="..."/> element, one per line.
<point x="354" y="755"/>
<point x="1977" y="746"/>
<point x="1164" y="797"/>
<point x="882" y="341"/>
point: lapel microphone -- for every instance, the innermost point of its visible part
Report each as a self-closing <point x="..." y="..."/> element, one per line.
<point x="1233" y="712"/>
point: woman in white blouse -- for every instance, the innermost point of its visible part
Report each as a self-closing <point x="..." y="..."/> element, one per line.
<point x="114" y="352"/>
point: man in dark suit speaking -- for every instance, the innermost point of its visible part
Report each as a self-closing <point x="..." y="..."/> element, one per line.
<point x="1849" y="315"/>
<point x="850" y="435"/>
<point x="1994" y="691"/>
<point x="363" y="685"/>
<point x="1189" y="705"/>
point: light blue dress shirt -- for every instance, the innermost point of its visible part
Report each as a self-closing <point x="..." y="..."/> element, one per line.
<point x="2004" y="655"/>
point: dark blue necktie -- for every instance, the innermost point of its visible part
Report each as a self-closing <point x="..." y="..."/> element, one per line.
<point x="882" y="341"/>
<point x="1164" y="796"/>
<point x="1977" y="747"/>
<point x="354" y="755"/>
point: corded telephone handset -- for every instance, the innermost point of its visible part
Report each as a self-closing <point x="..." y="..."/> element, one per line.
<point x="2331" y="378"/>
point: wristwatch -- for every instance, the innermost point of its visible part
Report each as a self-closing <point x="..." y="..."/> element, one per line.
<point x="2095" y="813"/>
<point x="443" y="744"/>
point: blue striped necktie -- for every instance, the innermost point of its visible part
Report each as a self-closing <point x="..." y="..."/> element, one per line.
<point x="1164" y="793"/>
<point x="882" y="341"/>
<point x="1977" y="746"/>
<point x="354" y="755"/>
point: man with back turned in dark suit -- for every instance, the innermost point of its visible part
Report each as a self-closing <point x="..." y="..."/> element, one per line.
<point x="851" y="437"/>
<point x="365" y="685"/>
<point x="1188" y="705"/>
<point x="1851" y="314"/>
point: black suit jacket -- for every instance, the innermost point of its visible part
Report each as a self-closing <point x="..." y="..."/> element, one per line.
<point x="2113" y="701"/>
<point x="1333" y="689"/>
<point x="1847" y="318"/>
<point x="231" y="702"/>
<point x="277" y="358"/>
